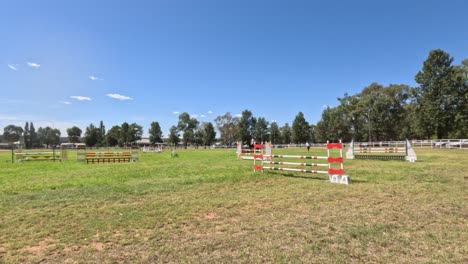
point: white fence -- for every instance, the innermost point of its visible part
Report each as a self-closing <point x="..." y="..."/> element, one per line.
<point x="441" y="143"/>
<point x="433" y="143"/>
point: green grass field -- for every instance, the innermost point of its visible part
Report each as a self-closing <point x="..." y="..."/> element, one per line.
<point x="207" y="206"/>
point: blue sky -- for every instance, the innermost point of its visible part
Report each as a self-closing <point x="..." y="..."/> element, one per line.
<point x="144" y="61"/>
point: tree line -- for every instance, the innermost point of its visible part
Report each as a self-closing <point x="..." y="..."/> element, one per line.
<point x="124" y="135"/>
<point x="31" y="138"/>
<point x="247" y="127"/>
<point x="437" y="108"/>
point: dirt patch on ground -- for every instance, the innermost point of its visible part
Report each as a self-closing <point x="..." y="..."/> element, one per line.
<point x="211" y="216"/>
<point x="2" y="251"/>
<point x="41" y="249"/>
<point x="98" y="246"/>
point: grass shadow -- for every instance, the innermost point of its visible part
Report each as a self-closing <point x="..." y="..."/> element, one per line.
<point x="289" y="175"/>
<point x="357" y="181"/>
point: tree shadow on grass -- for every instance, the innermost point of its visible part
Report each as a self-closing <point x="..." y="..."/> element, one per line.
<point x="323" y="178"/>
<point x="290" y="175"/>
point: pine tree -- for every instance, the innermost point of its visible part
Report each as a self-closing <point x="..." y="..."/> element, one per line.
<point x="33" y="138"/>
<point x="27" y="137"/>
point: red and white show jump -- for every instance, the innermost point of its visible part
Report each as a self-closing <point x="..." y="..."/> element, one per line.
<point x="334" y="165"/>
<point x="244" y="151"/>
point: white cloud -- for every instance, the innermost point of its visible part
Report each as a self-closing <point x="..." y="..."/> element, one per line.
<point x="202" y="115"/>
<point x="238" y="115"/>
<point x="210" y="112"/>
<point x="34" y="65"/>
<point x="194" y="115"/>
<point x="12" y="67"/>
<point x="119" y="97"/>
<point x="65" y="102"/>
<point x="95" y="78"/>
<point x="175" y="113"/>
<point x="80" y="98"/>
<point x="324" y="106"/>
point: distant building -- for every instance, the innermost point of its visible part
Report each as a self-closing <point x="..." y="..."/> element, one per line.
<point x="5" y="146"/>
<point x="144" y="141"/>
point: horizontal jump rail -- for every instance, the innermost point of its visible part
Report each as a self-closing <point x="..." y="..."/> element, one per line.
<point x="108" y="153"/>
<point x="329" y="171"/>
<point x="291" y="169"/>
<point x="297" y="163"/>
<point x="108" y="160"/>
<point x="36" y="153"/>
<point x="393" y="157"/>
<point x="37" y="156"/>
<point x="295" y="156"/>
<point x="334" y="145"/>
<point x="380" y="151"/>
